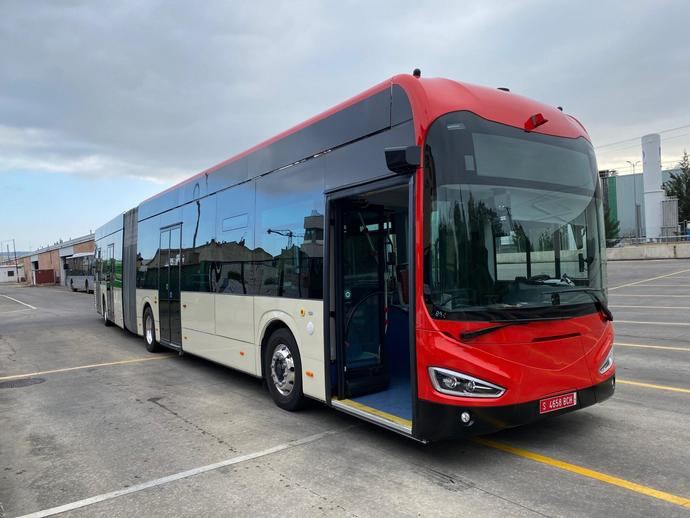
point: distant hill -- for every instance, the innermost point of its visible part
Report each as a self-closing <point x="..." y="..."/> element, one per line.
<point x="4" y="256"/>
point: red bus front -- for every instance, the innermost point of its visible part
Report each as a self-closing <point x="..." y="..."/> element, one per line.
<point x="512" y="323"/>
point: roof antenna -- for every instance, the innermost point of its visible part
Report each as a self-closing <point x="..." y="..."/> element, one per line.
<point x="417" y="73"/>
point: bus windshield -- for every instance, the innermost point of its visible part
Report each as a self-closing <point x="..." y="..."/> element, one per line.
<point x="513" y="224"/>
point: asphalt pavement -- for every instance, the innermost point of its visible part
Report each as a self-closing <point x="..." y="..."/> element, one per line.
<point x="91" y="424"/>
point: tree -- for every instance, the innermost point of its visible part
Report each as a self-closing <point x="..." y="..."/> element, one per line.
<point x="679" y="186"/>
<point x="612" y="228"/>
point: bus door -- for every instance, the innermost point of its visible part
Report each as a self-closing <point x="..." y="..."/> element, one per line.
<point x="360" y="310"/>
<point x="370" y="308"/>
<point x="169" y="286"/>
<point x="109" y="280"/>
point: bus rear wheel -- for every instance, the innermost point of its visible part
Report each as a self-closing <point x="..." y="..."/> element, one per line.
<point x="150" y="331"/>
<point x="283" y="370"/>
<point x="71" y="285"/>
<point x="106" y="320"/>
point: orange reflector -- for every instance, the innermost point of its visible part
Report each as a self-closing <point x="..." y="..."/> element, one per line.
<point x="241" y="353"/>
<point x="310" y="374"/>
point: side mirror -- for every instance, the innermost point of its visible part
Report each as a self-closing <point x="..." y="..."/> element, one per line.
<point x="404" y="159"/>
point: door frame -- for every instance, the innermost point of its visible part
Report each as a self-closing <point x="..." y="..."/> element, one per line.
<point x="329" y="249"/>
<point x="110" y="282"/>
<point x="339" y="284"/>
<point x="167" y="342"/>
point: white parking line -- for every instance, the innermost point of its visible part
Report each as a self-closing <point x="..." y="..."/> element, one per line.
<point x="178" y="476"/>
<point x="652" y="323"/>
<point x="19" y="301"/>
<point x="649" y="307"/>
<point x="649" y="346"/>
<point x="659" y="286"/>
<point x="647" y="280"/>
<point x="641" y="295"/>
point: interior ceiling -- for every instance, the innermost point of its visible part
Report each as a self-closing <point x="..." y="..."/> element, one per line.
<point x="393" y="198"/>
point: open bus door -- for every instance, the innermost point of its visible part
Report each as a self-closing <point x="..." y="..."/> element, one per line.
<point x="370" y="307"/>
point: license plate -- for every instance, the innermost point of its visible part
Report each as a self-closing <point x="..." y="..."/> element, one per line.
<point x="551" y="404"/>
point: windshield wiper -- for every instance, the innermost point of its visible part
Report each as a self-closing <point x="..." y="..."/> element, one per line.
<point x="469" y="335"/>
<point x="592" y="292"/>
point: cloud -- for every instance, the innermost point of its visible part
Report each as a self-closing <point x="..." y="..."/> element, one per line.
<point x="31" y="150"/>
<point x="160" y="90"/>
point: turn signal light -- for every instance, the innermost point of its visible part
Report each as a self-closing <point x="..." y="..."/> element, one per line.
<point x="458" y="384"/>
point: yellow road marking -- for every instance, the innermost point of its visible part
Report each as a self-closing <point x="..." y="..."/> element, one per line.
<point x="651" y="385"/>
<point x="645" y="346"/>
<point x="68" y="369"/>
<point x="379" y="413"/>
<point x="647" y="280"/>
<point x="585" y="472"/>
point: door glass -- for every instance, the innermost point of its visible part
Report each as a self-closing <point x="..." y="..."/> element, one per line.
<point x="174" y="259"/>
<point x="164" y="252"/>
<point x="362" y="287"/>
<point x="164" y="286"/>
<point x="174" y="289"/>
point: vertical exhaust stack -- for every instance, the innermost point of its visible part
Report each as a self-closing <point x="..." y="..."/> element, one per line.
<point x="653" y="193"/>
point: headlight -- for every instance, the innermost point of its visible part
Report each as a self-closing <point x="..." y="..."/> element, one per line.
<point x="608" y="363"/>
<point x="458" y="384"/>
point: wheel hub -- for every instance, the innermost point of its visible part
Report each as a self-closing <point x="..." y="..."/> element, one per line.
<point x="283" y="369"/>
<point x="149" y="329"/>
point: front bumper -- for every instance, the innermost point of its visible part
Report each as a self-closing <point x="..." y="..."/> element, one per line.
<point x="436" y="421"/>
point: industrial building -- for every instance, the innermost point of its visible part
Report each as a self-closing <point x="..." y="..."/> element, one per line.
<point x="47" y="265"/>
<point x="624" y="198"/>
<point x="637" y="201"/>
<point x="10" y="273"/>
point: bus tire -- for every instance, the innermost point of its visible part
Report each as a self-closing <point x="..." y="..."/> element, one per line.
<point x="150" y="331"/>
<point x="106" y="321"/>
<point x="71" y="285"/>
<point x="86" y="286"/>
<point x="283" y="370"/>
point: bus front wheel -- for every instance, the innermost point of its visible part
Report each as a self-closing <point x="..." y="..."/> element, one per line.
<point x="150" y="331"/>
<point x="283" y="370"/>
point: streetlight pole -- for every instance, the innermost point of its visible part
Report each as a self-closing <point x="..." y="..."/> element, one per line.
<point x="637" y="209"/>
<point x="16" y="266"/>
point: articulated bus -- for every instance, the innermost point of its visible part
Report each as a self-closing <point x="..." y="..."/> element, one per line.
<point x="79" y="272"/>
<point x="427" y="256"/>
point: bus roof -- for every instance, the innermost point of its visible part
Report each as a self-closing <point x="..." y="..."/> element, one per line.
<point x="397" y="100"/>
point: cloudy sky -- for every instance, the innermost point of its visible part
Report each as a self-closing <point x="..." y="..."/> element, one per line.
<point x="104" y="103"/>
